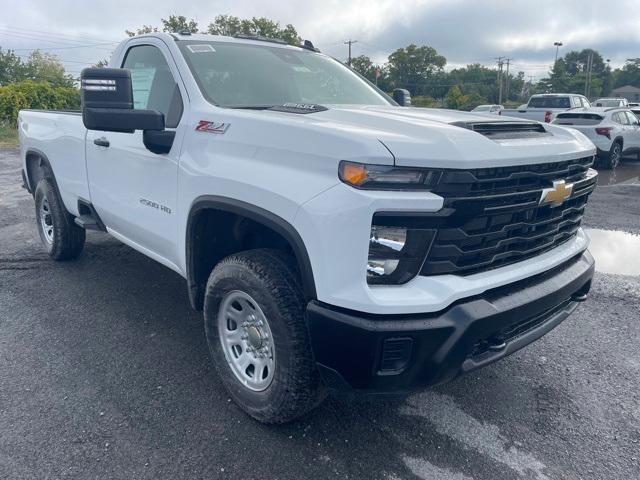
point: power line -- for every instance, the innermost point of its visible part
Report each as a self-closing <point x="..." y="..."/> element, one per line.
<point x="72" y="38"/>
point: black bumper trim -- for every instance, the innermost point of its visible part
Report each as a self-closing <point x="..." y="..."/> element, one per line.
<point x="348" y="345"/>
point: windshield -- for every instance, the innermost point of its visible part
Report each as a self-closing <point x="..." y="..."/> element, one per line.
<point x="483" y="108"/>
<point x="549" y="102"/>
<point x="578" y="119"/>
<point x="244" y="75"/>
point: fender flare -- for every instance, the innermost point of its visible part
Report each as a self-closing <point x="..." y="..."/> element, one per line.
<point x="43" y="162"/>
<point x="258" y="215"/>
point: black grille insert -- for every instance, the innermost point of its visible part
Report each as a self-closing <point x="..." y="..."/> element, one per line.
<point x="493" y="217"/>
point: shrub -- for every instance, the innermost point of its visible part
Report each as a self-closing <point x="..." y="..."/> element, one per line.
<point x="36" y="95"/>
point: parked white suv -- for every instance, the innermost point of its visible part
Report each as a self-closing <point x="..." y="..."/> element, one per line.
<point x="334" y="239"/>
<point x="615" y="131"/>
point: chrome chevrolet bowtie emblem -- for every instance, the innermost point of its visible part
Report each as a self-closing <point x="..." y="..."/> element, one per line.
<point x="556" y="195"/>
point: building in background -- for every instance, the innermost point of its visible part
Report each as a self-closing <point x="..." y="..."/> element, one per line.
<point x="629" y="92"/>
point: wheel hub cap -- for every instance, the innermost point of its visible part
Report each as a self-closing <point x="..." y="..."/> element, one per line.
<point x="246" y="340"/>
<point x="46" y="222"/>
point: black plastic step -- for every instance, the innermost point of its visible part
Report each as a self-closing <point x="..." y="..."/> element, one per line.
<point x="87" y="222"/>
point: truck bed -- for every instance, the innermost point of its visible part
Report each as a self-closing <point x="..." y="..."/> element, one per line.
<point x="59" y="135"/>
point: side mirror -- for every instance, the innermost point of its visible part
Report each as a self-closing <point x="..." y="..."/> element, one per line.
<point x="107" y="105"/>
<point x="402" y="97"/>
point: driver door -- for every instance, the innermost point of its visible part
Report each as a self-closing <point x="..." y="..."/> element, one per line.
<point x="132" y="189"/>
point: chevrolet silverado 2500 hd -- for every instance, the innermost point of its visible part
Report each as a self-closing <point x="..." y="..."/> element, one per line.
<point x="334" y="240"/>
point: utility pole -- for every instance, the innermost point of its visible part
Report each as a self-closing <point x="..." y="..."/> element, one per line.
<point x="507" y="80"/>
<point x="500" y="63"/>
<point x="350" y="42"/>
<point x="587" y="83"/>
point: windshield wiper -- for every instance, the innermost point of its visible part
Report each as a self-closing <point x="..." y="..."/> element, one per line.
<point x="251" y="107"/>
<point x="285" y="107"/>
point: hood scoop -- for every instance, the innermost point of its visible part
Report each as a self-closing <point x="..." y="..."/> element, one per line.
<point x="505" y="130"/>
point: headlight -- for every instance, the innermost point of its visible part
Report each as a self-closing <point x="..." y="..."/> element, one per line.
<point x="396" y="254"/>
<point x="383" y="177"/>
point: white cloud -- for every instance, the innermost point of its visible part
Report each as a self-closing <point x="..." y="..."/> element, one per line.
<point x="464" y="31"/>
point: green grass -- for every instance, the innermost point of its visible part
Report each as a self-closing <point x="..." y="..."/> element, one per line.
<point x="8" y="136"/>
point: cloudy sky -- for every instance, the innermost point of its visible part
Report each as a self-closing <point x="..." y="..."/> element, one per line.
<point x="464" y="31"/>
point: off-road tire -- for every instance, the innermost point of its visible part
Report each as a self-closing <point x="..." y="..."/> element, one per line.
<point x="67" y="239"/>
<point x="271" y="278"/>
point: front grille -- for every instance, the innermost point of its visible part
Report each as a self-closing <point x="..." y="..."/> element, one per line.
<point x="492" y="217"/>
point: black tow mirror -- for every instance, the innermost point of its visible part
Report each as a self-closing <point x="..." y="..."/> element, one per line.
<point x="402" y="97"/>
<point x="107" y="103"/>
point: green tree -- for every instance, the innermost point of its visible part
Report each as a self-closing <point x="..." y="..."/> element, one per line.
<point x="454" y="98"/>
<point x="412" y="67"/>
<point x="141" y="31"/>
<point x="629" y="74"/>
<point x="101" y="63"/>
<point x="11" y="67"/>
<point x="364" y="66"/>
<point x="226" y="25"/>
<point x="570" y="74"/>
<point x="179" y="23"/>
<point x="259" y="26"/>
<point x="42" y="66"/>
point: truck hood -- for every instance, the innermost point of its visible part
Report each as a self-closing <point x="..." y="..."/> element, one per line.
<point x="434" y="137"/>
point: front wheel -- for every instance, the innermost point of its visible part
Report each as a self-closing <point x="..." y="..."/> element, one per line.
<point x="63" y="239"/>
<point x="254" y="321"/>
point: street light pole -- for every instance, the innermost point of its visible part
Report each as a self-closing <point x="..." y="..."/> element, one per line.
<point x="557" y="45"/>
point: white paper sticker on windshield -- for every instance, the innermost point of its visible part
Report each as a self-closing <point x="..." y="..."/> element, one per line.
<point x="202" y="48"/>
<point x="141" y="80"/>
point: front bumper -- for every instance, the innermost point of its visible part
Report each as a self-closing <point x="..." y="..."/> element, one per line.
<point x="398" y="353"/>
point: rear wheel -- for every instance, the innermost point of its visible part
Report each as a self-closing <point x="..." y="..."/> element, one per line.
<point x="63" y="239"/>
<point x="254" y="321"/>
<point x="612" y="159"/>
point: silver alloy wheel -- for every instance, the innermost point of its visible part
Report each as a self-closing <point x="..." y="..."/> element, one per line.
<point x="615" y="155"/>
<point x="46" y="220"/>
<point x="246" y="340"/>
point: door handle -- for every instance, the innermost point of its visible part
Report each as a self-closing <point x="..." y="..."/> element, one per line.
<point x="101" y="142"/>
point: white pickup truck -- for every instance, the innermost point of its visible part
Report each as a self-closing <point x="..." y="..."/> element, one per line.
<point x="334" y="239"/>
<point x="544" y="107"/>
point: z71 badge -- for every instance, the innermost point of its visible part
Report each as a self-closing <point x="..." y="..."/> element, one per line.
<point x="212" y="127"/>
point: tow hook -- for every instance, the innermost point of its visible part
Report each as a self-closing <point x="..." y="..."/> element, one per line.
<point x="579" y="297"/>
<point x="496" y="344"/>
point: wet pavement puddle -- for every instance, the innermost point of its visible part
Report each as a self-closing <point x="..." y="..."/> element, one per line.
<point x="615" y="251"/>
<point x="626" y="173"/>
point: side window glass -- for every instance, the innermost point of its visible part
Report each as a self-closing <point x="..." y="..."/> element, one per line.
<point x="576" y="102"/>
<point x="632" y="118"/>
<point x="154" y="87"/>
<point x="616" y="118"/>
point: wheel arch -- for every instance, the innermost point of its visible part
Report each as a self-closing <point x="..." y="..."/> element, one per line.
<point x="211" y="208"/>
<point x="37" y="167"/>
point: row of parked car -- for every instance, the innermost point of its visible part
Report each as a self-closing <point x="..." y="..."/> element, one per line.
<point x="612" y="124"/>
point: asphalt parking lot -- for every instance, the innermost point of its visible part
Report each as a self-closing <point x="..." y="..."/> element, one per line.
<point x="104" y="373"/>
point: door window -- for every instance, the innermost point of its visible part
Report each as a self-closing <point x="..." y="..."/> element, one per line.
<point x="154" y="87"/>
<point x="633" y="120"/>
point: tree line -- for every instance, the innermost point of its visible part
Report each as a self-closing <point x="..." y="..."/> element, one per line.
<point x="420" y="69"/>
